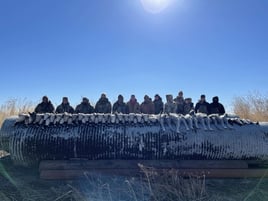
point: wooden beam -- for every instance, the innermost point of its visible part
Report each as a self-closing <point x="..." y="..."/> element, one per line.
<point x="78" y="168"/>
<point x="133" y="164"/>
<point x="77" y="174"/>
<point x="207" y="173"/>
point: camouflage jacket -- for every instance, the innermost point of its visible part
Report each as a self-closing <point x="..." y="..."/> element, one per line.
<point x="44" y="107"/>
<point x="84" y="108"/>
<point x="120" y="107"/>
<point x="103" y="106"/>
<point x="64" y="108"/>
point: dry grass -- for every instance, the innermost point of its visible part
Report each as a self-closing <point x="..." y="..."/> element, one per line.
<point x="15" y="106"/>
<point x="254" y="106"/>
<point x="169" y="186"/>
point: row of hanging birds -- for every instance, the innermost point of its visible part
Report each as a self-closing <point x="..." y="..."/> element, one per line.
<point x="196" y="121"/>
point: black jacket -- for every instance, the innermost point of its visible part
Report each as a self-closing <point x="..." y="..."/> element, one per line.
<point x="202" y="107"/>
<point x="44" y="107"/>
<point x="65" y="108"/>
<point x="216" y="108"/>
<point x="85" y="108"/>
<point x="158" y="106"/>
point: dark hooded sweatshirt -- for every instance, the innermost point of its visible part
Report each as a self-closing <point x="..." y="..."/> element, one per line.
<point x="216" y="108"/>
<point x="158" y="106"/>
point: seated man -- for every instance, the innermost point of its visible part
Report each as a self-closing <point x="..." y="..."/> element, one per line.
<point x="65" y="106"/>
<point x="202" y="106"/>
<point x="180" y="102"/>
<point x="132" y="105"/>
<point x="45" y="106"/>
<point x="217" y="111"/>
<point x="103" y="105"/>
<point x="202" y="112"/>
<point x="215" y="107"/>
<point x="120" y="106"/>
<point x="158" y="104"/>
<point x="188" y="106"/>
<point x="147" y="106"/>
<point x="171" y="110"/>
<point x="84" y="107"/>
<point x="170" y="105"/>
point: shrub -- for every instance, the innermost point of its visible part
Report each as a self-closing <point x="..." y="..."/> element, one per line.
<point x="14" y="106"/>
<point x="253" y="106"/>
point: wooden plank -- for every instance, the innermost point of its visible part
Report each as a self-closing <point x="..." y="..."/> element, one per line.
<point x="206" y="164"/>
<point x="237" y="173"/>
<point x="133" y="164"/>
<point x="82" y="173"/>
<point x="208" y="173"/>
<point x="257" y="163"/>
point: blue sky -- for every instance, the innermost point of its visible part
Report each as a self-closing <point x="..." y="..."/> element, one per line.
<point x="81" y="48"/>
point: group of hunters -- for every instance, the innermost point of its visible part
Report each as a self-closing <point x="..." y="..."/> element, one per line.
<point x="179" y="105"/>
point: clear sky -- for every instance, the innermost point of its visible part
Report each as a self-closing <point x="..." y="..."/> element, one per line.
<point x="81" y="48"/>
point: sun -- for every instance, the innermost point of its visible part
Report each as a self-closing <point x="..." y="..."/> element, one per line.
<point x="155" y="6"/>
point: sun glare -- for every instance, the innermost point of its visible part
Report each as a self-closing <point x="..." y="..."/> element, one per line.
<point x="155" y="6"/>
